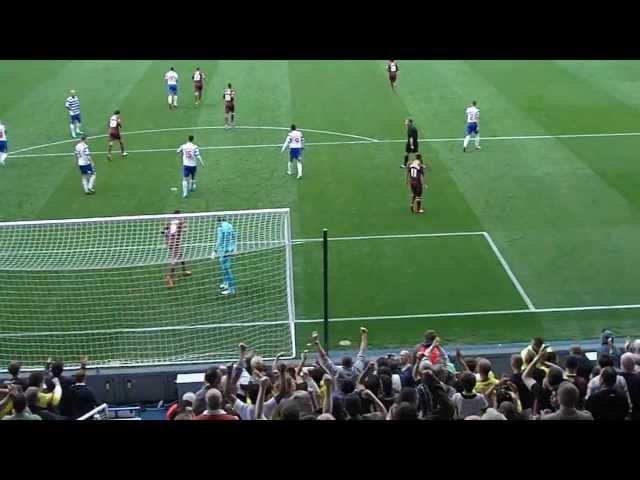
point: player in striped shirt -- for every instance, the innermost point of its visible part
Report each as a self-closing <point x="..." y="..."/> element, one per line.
<point x="85" y="165"/>
<point x="295" y="142"/>
<point x="473" y="115"/>
<point x="72" y="104"/>
<point x="225" y="247"/>
<point x="190" y="153"/>
<point x="172" y="87"/>
<point x="3" y="143"/>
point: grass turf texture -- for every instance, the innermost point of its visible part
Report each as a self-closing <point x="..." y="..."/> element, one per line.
<point x="564" y="212"/>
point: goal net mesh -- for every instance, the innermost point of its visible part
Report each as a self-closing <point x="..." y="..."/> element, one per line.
<point x="97" y="287"/>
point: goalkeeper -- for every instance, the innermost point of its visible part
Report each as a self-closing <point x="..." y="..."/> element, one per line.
<point x="224" y="248"/>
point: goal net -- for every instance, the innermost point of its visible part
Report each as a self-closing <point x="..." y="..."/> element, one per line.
<point x="98" y="287"/>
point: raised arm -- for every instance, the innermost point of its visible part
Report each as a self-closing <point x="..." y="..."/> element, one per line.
<point x="327" y="404"/>
<point x="237" y="371"/>
<point x="526" y="375"/>
<point x="324" y="360"/>
<point x="362" y="353"/>
<point x="360" y="382"/>
<point x="379" y="406"/>
<point x="303" y="359"/>
<point x="312" y="388"/>
<point x="461" y="361"/>
<point x="8" y="396"/>
<point x="274" y="365"/>
<point x="260" y="400"/>
<point x="57" y="392"/>
<point x="490" y="394"/>
<point x="284" y="381"/>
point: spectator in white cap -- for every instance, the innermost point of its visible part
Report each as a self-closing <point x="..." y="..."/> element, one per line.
<point x="182" y="410"/>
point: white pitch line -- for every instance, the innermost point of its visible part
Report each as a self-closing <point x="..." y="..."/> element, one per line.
<point x="480" y="313"/>
<point x="339" y="319"/>
<point x="364" y="140"/>
<point x="175" y="129"/>
<point x="525" y="137"/>
<point x="215" y="147"/>
<point x="374" y="237"/>
<point x="511" y="275"/>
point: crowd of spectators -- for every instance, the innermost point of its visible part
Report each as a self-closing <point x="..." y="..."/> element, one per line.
<point x="46" y="395"/>
<point x="424" y="383"/>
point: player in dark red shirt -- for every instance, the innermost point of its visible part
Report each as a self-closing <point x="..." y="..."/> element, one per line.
<point x="229" y="98"/>
<point x="415" y="179"/>
<point x="198" y="83"/>
<point x="392" y="69"/>
<point x="172" y="233"/>
<point x="114" y="133"/>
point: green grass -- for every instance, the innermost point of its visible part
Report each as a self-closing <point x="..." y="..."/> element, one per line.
<point x="564" y="212"/>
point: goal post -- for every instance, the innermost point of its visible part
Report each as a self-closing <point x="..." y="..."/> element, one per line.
<point x="98" y="287"/>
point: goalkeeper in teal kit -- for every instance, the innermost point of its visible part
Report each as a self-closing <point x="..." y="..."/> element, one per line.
<point x="225" y="247"/>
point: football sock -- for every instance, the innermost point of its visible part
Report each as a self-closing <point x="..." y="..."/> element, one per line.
<point x="2" y="157"/>
<point x="477" y="140"/>
<point x="169" y="99"/>
<point x="185" y="188"/>
<point x="73" y="130"/>
<point x="406" y="159"/>
<point x="466" y="141"/>
<point x="419" y="203"/>
<point x="85" y="185"/>
<point x="299" y="169"/>
<point x="79" y="128"/>
<point x="289" y="167"/>
<point x="175" y="101"/>
<point x="92" y="181"/>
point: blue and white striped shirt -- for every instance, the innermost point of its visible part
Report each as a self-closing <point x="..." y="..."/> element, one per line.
<point x="83" y="156"/>
<point x="72" y="104"/>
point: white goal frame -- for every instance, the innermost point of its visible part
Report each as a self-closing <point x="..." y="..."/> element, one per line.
<point x="288" y="256"/>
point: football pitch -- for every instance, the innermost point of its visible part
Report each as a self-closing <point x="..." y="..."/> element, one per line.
<point x="535" y="234"/>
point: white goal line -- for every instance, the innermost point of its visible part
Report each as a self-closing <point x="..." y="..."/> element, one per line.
<point x="478" y="313"/>
<point x="272" y="243"/>
<point x="365" y="140"/>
